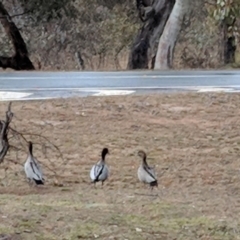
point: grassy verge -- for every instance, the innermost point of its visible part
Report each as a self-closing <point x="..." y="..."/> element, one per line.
<point x="192" y="140"/>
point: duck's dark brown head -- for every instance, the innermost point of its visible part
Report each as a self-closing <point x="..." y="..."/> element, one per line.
<point x="142" y="154"/>
<point x="104" y="153"/>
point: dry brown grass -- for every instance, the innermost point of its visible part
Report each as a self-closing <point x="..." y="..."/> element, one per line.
<point x="192" y="139"/>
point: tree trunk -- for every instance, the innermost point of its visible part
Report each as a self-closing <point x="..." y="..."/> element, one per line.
<point x="154" y="17"/>
<point x="229" y="43"/>
<point x="20" y="60"/>
<point x="166" y="46"/>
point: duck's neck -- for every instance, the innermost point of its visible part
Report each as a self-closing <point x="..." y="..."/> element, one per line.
<point x="144" y="160"/>
<point x="103" y="156"/>
<point x="30" y="149"/>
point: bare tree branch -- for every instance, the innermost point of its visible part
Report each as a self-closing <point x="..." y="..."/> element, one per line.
<point x="19" y="141"/>
<point x="4" y="144"/>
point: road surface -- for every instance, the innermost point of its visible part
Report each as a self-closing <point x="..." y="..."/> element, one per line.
<point x="43" y="85"/>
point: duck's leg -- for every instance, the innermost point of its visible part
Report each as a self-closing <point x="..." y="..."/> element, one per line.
<point x="150" y="187"/>
<point x="94" y="183"/>
<point x="30" y="182"/>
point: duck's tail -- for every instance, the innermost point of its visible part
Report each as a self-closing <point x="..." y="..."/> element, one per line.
<point x="94" y="181"/>
<point x="39" y="182"/>
<point x="154" y="183"/>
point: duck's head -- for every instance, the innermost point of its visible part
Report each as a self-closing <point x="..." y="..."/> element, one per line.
<point x="104" y="152"/>
<point x="141" y="154"/>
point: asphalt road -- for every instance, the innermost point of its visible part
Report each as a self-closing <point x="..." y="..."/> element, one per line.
<point x="66" y="84"/>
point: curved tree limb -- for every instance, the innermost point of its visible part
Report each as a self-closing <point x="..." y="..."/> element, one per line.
<point x="13" y="140"/>
<point x="20" y="60"/>
<point x="144" y="47"/>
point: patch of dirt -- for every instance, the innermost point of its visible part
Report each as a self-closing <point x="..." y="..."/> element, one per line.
<point x="192" y="140"/>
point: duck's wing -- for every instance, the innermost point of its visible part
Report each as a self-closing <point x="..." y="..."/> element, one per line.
<point x="103" y="175"/>
<point x="150" y="173"/>
<point x="96" y="171"/>
<point x="92" y="173"/>
<point x="33" y="170"/>
<point x="27" y="169"/>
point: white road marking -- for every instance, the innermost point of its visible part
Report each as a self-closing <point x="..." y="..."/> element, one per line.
<point x="24" y="96"/>
<point x="29" y="99"/>
<point x="217" y="90"/>
<point x="112" y="92"/>
<point x="13" y="95"/>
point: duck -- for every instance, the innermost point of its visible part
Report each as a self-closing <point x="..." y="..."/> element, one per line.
<point x="146" y="174"/>
<point x="99" y="171"/>
<point x="32" y="168"/>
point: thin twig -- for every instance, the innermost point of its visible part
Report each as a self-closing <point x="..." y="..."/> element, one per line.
<point x="15" y="148"/>
<point x="40" y="136"/>
<point x="18" y="133"/>
<point x="8" y="17"/>
<point x="13" y="161"/>
<point x="8" y="132"/>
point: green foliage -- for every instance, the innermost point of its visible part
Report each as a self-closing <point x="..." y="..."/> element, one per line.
<point x="46" y="10"/>
<point x="225" y="11"/>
